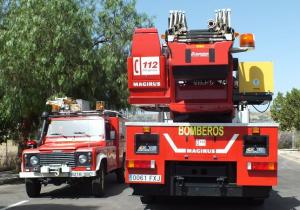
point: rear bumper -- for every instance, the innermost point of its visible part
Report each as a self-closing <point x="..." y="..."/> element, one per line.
<point x="215" y="179"/>
<point x="207" y="190"/>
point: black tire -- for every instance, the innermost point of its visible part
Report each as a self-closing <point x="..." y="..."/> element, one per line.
<point x="256" y="201"/>
<point x="120" y="173"/>
<point x="33" y="187"/>
<point x="98" y="183"/>
<point x="147" y="199"/>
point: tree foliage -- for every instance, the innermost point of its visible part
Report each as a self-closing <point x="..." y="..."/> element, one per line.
<point x="53" y="48"/>
<point x="286" y="110"/>
<point x="114" y="27"/>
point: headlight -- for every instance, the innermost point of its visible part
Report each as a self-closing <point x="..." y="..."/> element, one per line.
<point x="34" y="160"/>
<point x="82" y="159"/>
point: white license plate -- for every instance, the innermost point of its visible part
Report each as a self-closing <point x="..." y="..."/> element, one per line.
<point x="144" y="178"/>
<point x="81" y="174"/>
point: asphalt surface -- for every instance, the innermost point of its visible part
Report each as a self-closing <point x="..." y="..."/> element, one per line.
<point x="286" y="196"/>
<point x="7" y="177"/>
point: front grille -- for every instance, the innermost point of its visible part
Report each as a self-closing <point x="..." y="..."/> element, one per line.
<point x="58" y="158"/>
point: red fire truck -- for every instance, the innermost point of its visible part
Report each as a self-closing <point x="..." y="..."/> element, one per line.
<point x="76" y="145"/>
<point x="208" y="148"/>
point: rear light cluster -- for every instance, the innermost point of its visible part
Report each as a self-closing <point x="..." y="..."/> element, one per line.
<point x="262" y="166"/>
<point x="141" y="164"/>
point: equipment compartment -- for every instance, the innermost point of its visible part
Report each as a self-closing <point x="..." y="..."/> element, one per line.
<point x="256" y="77"/>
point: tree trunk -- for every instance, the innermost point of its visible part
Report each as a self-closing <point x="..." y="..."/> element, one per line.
<point x="25" y="131"/>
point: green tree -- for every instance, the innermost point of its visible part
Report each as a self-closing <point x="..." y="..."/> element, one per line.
<point x="286" y="110"/>
<point x="53" y="48"/>
<point x="114" y="28"/>
<point x="46" y="48"/>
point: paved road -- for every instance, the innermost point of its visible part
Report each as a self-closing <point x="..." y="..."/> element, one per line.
<point x="284" y="197"/>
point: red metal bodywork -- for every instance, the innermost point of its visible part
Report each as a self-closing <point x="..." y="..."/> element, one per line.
<point x="196" y="83"/>
<point x="235" y="154"/>
<point x="113" y="149"/>
<point x="162" y="89"/>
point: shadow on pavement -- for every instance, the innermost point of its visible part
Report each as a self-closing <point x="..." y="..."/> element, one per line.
<point x="53" y="206"/>
<point x="84" y="190"/>
<point x="275" y="202"/>
<point x="15" y="181"/>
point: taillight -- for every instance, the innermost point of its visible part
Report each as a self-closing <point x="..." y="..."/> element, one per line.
<point x="141" y="164"/>
<point x="262" y="166"/>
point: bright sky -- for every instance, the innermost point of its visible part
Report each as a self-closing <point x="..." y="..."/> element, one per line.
<point x="275" y="23"/>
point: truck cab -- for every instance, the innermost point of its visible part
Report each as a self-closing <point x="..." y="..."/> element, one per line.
<point x="76" y="146"/>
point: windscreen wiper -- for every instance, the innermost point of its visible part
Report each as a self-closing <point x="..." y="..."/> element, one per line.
<point x="83" y="133"/>
<point x="57" y="134"/>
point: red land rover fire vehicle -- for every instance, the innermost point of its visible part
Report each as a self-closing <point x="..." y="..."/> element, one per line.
<point x="76" y="146"/>
<point x="209" y="148"/>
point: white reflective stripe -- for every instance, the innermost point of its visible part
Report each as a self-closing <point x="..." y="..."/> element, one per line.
<point x="171" y="143"/>
<point x="228" y="146"/>
<point x="218" y="151"/>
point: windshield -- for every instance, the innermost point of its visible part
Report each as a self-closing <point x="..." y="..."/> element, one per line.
<point x="75" y="128"/>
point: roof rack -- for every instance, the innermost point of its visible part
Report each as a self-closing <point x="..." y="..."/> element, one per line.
<point x="109" y="113"/>
<point x="70" y="107"/>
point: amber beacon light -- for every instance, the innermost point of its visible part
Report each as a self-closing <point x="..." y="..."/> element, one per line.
<point x="100" y="105"/>
<point x="247" y="41"/>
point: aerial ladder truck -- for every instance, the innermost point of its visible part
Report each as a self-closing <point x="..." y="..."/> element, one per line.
<point x="209" y="148"/>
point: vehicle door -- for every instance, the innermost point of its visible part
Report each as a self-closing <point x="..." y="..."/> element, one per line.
<point x="110" y="136"/>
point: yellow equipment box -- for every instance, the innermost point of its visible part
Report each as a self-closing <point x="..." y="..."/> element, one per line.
<point x="256" y="77"/>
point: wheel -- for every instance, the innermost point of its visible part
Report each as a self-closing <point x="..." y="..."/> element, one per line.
<point x="120" y="173"/>
<point x="98" y="183"/>
<point x="33" y="187"/>
<point x="147" y="199"/>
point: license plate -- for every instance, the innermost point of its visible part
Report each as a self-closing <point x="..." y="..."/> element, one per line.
<point x="81" y="174"/>
<point x="144" y="178"/>
<point x="77" y="174"/>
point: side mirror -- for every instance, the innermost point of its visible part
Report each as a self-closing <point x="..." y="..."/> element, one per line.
<point x="112" y="135"/>
<point x="30" y="144"/>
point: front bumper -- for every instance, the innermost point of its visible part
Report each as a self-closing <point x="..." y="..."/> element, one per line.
<point x="54" y="171"/>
